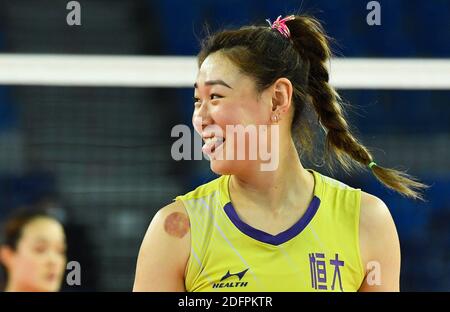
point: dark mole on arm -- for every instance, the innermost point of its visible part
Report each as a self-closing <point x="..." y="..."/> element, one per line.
<point x="177" y="224"/>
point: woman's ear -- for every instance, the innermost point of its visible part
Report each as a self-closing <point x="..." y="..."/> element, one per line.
<point x="281" y="96"/>
<point x="6" y="256"/>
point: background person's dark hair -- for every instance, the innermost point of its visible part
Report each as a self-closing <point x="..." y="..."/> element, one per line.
<point x="266" y="55"/>
<point x="12" y="230"/>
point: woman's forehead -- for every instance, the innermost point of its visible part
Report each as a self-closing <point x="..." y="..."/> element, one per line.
<point x="216" y="66"/>
<point x="43" y="227"/>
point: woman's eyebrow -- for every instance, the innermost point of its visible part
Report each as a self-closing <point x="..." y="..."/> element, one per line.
<point x="214" y="82"/>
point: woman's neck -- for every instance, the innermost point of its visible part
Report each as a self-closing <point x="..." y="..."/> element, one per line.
<point x="278" y="189"/>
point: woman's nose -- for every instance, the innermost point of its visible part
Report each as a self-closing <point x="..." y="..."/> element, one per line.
<point x="201" y="118"/>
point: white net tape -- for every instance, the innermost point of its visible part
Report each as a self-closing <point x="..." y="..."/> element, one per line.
<point x="176" y="71"/>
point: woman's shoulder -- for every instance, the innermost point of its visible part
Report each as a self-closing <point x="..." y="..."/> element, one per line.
<point x="173" y="207"/>
<point x="374" y="212"/>
<point x="172" y="220"/>
<point x="379" y="243"/>
<point x="375" y="218"/>
<point x="157" y="269"/>
<point x="377" y="227"/>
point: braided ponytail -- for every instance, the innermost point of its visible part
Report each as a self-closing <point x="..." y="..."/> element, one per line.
<point x="312" y="44"/>
<point x="266" y="54"/>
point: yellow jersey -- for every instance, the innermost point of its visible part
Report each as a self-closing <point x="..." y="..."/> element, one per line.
<point x="320" y="252"/>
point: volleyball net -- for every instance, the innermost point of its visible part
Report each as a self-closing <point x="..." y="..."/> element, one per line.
<point x="178" y="71"/>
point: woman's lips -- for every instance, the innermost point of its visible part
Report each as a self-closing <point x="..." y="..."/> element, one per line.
<point x="211" y="144"/>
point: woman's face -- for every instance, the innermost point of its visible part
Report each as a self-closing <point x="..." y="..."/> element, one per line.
<point x="226" y="97"/>
<point x="39" y="261"/>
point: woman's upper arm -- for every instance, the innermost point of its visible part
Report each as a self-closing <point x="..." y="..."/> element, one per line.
<point x="164" y="251"/>
<point x="380" y="246"/>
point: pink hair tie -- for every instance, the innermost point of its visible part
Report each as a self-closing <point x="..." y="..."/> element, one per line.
<point x="280" y="25"/>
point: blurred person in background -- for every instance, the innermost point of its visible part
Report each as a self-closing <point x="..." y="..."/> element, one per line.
<point x="33" y="252"/>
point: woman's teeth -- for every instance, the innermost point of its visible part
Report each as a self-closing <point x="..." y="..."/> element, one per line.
<point x="214" y="140"/>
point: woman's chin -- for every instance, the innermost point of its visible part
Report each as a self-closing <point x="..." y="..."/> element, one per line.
<point x="222" y="167"/>
<point x="229" y="167"/>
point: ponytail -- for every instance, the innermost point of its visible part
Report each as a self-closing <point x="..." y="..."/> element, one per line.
<point x="312" y="44"/>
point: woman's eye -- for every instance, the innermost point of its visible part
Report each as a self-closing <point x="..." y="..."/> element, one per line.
<point x="213" y="95"/>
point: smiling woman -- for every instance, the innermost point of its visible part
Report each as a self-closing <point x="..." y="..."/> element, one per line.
<point x="286" y="229"/>
<point x="33" y="252"/>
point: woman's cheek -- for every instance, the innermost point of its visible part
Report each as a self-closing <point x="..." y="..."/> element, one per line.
<point x="29" y="267"/>
<point x="226" y="117"/>
<point x="197" y="123"/>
